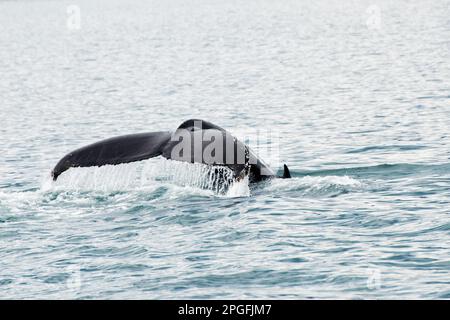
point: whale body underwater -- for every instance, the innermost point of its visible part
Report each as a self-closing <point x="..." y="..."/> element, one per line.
<point x="194" y="141"/>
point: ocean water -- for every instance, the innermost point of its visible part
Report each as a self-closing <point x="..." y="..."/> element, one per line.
<point x="355" y="93"/>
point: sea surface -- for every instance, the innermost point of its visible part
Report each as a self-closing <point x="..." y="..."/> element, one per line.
<point x="354" y="96"/>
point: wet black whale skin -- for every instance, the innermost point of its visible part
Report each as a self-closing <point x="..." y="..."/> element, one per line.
<point x="141" y="146"/>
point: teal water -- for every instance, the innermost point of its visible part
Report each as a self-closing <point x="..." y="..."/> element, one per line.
<point x="357" y="97"/>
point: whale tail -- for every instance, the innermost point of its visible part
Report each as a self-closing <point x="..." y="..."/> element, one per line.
<point x="142" y="146"/>
<point x="286" y="173"/>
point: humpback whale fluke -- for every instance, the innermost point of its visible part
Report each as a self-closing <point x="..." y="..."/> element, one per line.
<point x="193" y="141"/>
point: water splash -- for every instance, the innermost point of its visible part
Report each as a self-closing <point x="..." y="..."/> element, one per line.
<point x="145" y="174"/>
<point x="215" y="178"/>
<point x="239" y="188"/>
<point x="106" y="178"/>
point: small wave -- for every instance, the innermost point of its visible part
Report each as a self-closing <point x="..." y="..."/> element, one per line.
<point x="387" y="148"/>
<point x="325" y="185"/>
<point x="388" y="171"/>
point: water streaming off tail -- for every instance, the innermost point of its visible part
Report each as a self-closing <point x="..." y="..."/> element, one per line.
<point x="138" y="175"/>
<point x="105" y="178"/>
<point x="215" y="178"/>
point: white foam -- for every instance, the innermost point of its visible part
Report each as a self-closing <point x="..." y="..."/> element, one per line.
<point x="16" y="202"/>
<point x="315" y="185"/>
<point x="239" y="188"/>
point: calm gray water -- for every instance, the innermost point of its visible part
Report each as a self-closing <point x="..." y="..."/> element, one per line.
<point x="356" y="92"/>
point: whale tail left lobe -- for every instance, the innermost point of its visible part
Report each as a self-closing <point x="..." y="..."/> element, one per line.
<point x="123" y="149"/>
